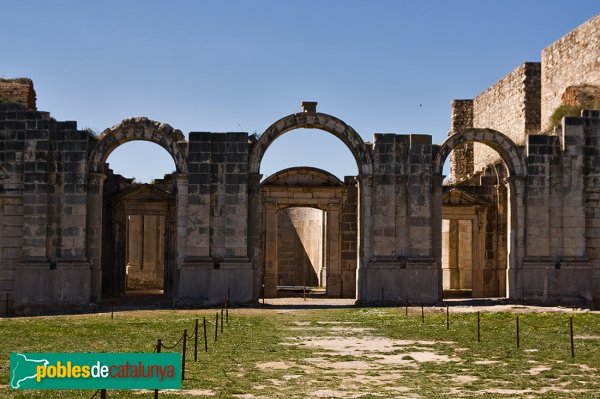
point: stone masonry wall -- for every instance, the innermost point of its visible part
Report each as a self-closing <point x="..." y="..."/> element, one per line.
<point x="461" y="162"/>
<point x="42" y="185"/>
<point x="592" y="198"/>
<point x="18" y="91"/>
<point x="217" y="195"/>
<point x="570" y="61"/>
<point x="510" y="106"/>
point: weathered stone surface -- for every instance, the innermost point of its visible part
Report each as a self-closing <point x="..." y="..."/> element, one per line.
<point x="394" y="232"/>
<point x="18" y="91"/>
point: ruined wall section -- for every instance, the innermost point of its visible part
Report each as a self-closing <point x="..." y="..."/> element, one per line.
<point x="11" y="204"/>
<point x="217" y="195"/>
<point x="560" y="264"/>
<point x="591" y="127"/>
<point x="402" y="196"/>
<point x="18" y="91"/>
<point x="44" y="199"/>
<point x="461" y="161"/>
<point x="572" y="60"/>
<point x="510" y="106"/>
<point x="402" y="221"/>
<point x="217" y="224"/>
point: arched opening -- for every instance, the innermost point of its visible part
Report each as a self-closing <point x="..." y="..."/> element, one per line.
<point x="309" y="147"/>
<point x="301" y="187"/>
<point x="313" y="214"/>
<point x="134" y="221"/>
<point x="478" y="221"/>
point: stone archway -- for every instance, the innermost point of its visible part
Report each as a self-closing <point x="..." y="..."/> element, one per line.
<point x="314" y="120"/>
<point x="511" y="154"/>
<point x="307" y="187"/>
<point x="139" y="128"/>
<point x="362" y="153"/>
<point x="514" y="158"/>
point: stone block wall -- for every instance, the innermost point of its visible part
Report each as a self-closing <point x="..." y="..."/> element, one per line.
<point x="217" y="195"/>
<point x="18" y="91"/>
<point x="402" y="264"/>
<point x="462" y="158"/>
<point x="216" y="248"/>
<point x="592" y="198"/>
<point x="349" y="231"/>
<point x="43" y="190"/>
<point x="572" y="60"/>
<point x="510" y="106"/>
<point x="402" y="195"/>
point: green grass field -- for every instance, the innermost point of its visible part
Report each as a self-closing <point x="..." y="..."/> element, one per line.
<point x="342" y="353"/>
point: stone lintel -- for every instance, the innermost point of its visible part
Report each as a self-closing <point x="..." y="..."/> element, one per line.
<point x="571" y="263"/>
<point x="29" y="264"/>
<point x="390" y="262"/>
<point x="197" y="262"/>
<point x="72" y="263"/>
<point x="236" y="263"/>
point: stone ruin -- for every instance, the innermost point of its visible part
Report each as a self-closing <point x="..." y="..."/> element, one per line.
<point x="519" y="216"/>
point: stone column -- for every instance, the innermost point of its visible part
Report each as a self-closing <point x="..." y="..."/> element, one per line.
<point x="270" y="272"/>
<point x="364" y="250"/>
<point x="94" y="231"/>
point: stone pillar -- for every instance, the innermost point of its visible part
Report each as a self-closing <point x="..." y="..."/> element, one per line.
<point x="334" y="251"/>
<point x="465" y="251"/>
<point x="515" y="186"/>
<point x="477" y="227"/>
<point x="35" y="206"/>
<point x="436" y="230"/>
<point x="270" y="272"/>
<point x="364" y="249"/>
<point x="453" y="254"/>
<point x="94" y="231"/>
<point x="255" y="232"/>
<point x="181" y="224"/>
<point x="573" y="197"/>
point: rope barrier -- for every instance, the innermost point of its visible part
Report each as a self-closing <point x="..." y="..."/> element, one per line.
<point x="539" y="327"/>
<point x="586" y="328"/>
<point x="171" y="347"/>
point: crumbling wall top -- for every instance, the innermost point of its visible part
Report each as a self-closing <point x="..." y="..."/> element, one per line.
<point x="18" y="91"/>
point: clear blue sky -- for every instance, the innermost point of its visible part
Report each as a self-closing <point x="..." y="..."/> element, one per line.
<point x="241" y="65"/>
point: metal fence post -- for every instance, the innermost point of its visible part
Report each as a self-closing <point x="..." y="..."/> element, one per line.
<point x="158" y="348"/>
<point x="183" y="350"/>
<point x="196" y="341"/>
<point x="205" y="339"/>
